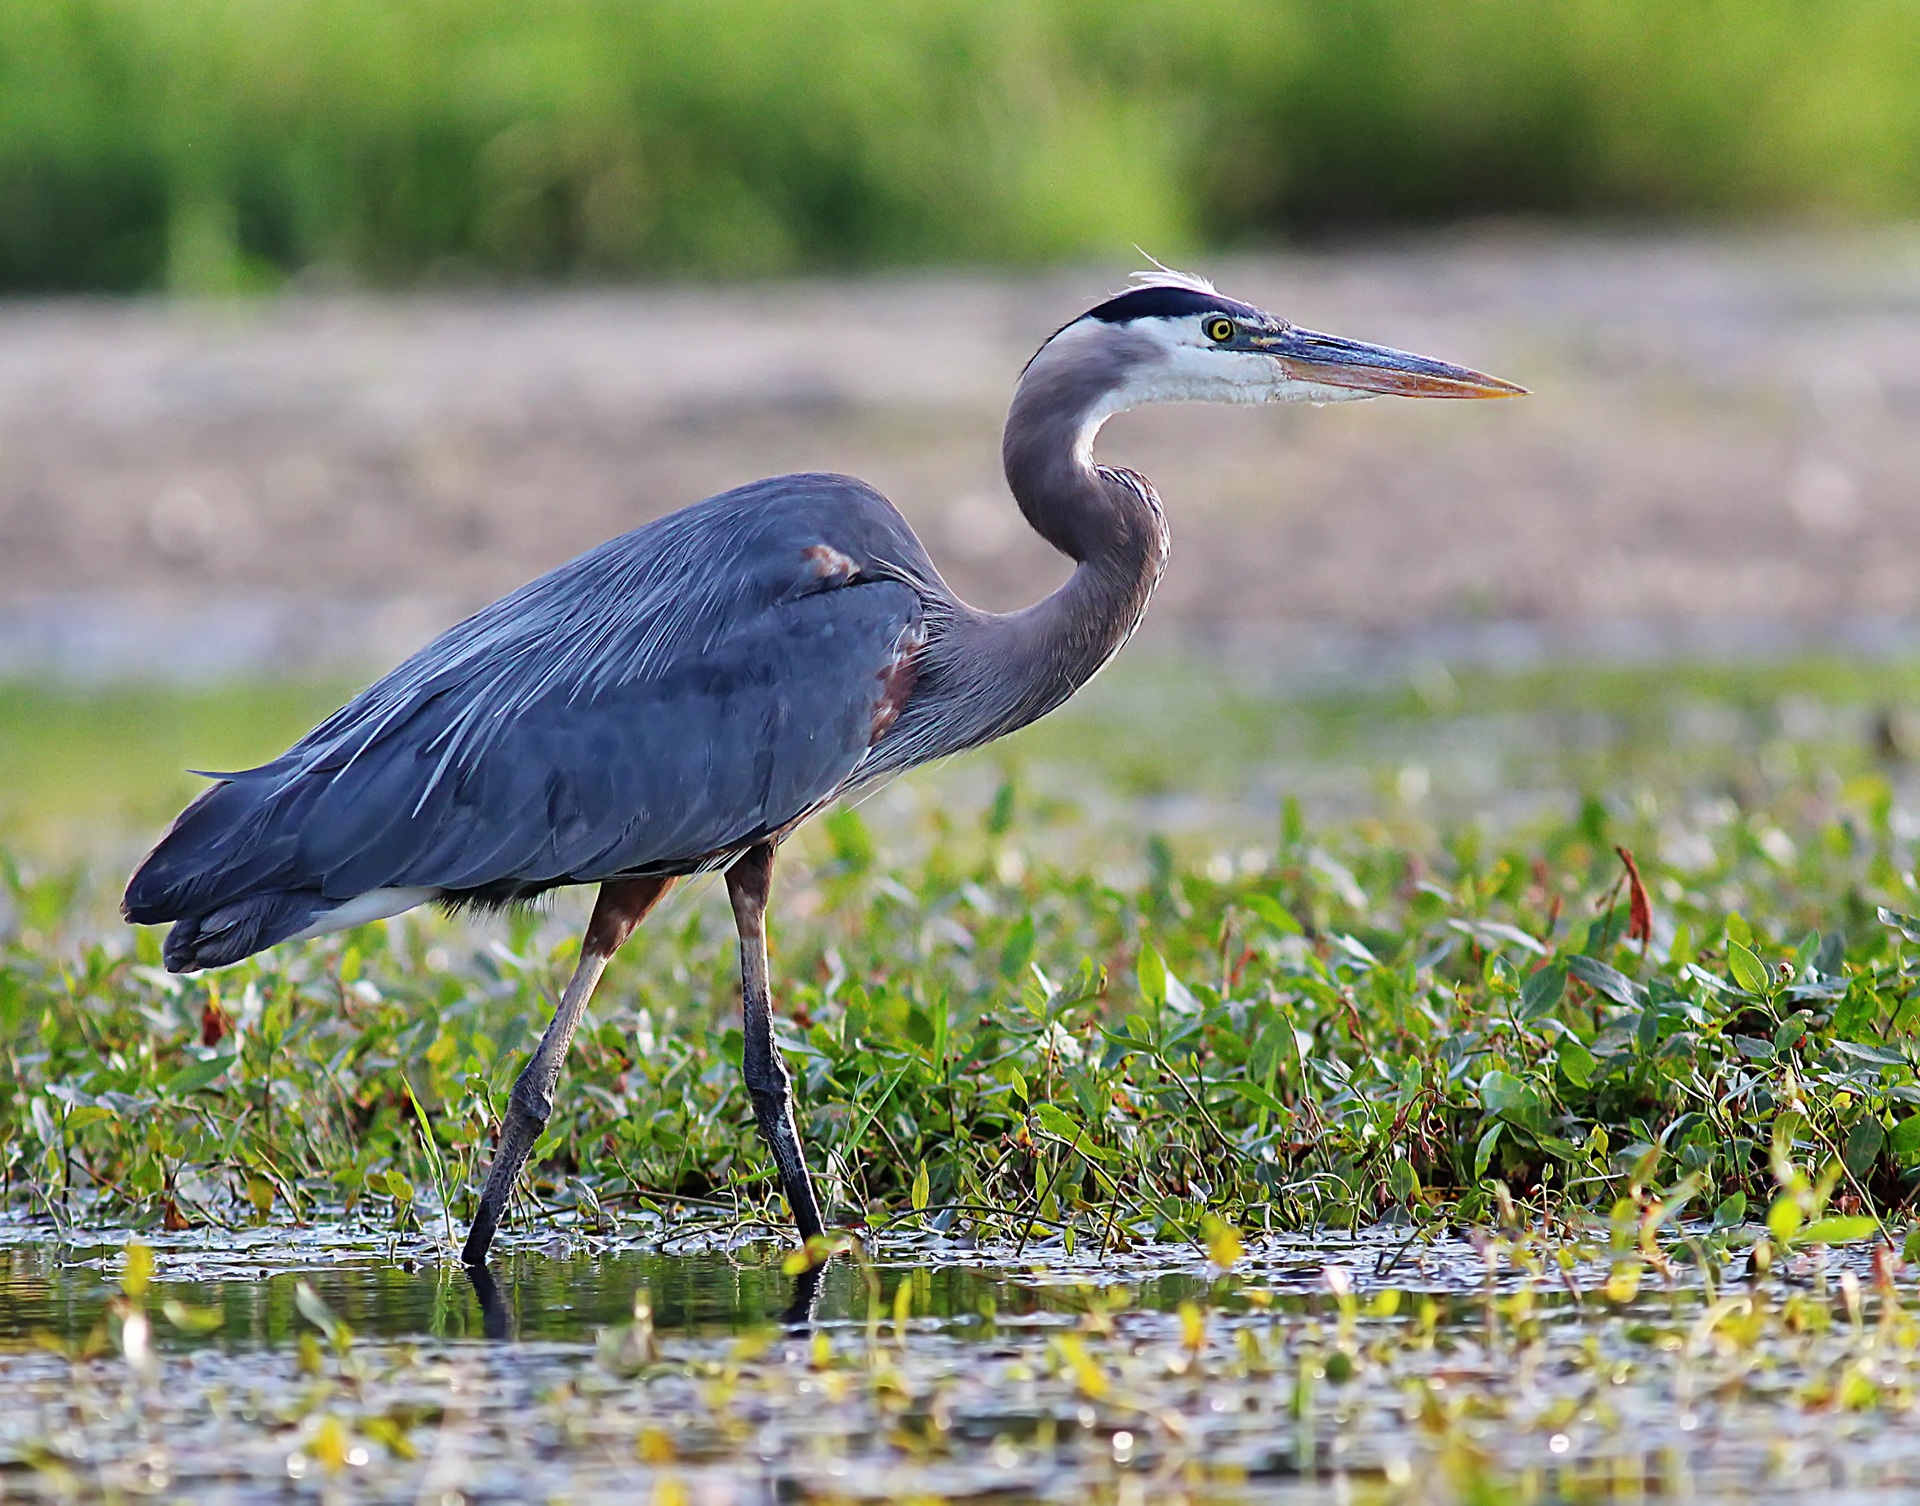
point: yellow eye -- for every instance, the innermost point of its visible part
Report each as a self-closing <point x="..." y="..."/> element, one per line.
<point x="1220" y="329"/>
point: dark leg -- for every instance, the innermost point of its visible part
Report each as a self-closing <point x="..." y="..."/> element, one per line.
<point x="622" y="905"/>
<point x="748" y="883"/>
<point x="798" y="1314"/>
<point x="496" y="1320"/>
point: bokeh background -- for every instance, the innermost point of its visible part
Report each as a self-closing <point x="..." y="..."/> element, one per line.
<point x="327" y="320"/>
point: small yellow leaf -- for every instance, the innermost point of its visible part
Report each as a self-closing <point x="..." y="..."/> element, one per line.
<point x="654" y="1447"/>
<point x="330" y="1444"/>
<point x="1224" y="1248"/>
<point x="193" y="1320"/>
<point x="138" y="1272"/>
<point x="668" y="1491"/>
<point x="1193" y="1326"/>
<point x="1624" y="1284"/>
<point x="1785" y="1217"/>
<point x="1087" y="1374"/>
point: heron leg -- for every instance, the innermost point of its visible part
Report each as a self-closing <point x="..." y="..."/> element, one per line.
<point x="622" y="905"/>
<point x="749" y="881"/>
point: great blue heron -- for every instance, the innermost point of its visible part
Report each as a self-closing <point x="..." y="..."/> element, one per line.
<point x="680" y="698"/>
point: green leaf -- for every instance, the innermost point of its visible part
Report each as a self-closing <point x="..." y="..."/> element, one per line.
<point x="1483" y="1152"/>
<point x="1730" y="1211"/>
<point x="1907" y="925"/>
<point x="1263" y="1060"/>
<point x="1854" y="1014"/>
<point x="1838" y="1231"/>
<point x="1603" y="979"/>
<point x="196" y="1075"/>
<point x="1272" y="912"/>
<point x="1503" y="1094"/>
<point x="1575" y="1061"/>
<point x="1258" y="1096"/>
<point x="1152" y="972"/>
<point x="1905" y="1139"/>
<point x="1018" y="951"/>
<point x="1542" y="990"/>
<point x="920" y="1188"/>
<point x="1880" y="1055"/>
<point x="1057" y="1121"/>
<point x="1495" y="934"/>
<point x="1748" y="970"/>
<point x="999" y="817"/>
<point x="852" y="843"/>
<point x="1865" y="1141"/>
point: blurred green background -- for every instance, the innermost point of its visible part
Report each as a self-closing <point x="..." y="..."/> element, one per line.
<point x="206" y="145"/>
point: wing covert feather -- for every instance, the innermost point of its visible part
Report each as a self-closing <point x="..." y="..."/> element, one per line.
<point x="677" y="693"/>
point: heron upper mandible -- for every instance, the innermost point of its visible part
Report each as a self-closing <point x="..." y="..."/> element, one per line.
<point x="682" y="697"/>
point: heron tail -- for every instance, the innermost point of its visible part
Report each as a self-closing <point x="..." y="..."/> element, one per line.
<point x="241" y="928"/>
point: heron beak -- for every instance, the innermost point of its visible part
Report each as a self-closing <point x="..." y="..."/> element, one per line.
<point x="1329" y="361"/>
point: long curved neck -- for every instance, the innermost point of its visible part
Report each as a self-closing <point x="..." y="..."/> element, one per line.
<point x="1107" y="522"/>
<point x="986" y="674"/>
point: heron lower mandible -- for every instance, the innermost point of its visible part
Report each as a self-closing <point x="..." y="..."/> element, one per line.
<point x="679" y="699"/>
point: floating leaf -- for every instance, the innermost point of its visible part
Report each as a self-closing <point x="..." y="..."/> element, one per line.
<point x="1838" y="1231"/>
<point x="1223" y="1243"/>
<point x="196" y="1321"/>
<point x="137" y="1273"/>
<point x="322" y="1317"/>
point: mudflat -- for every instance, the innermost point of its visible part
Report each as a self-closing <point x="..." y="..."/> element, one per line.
<point x="1721" y="429"/>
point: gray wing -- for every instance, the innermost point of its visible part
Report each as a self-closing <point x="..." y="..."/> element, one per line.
<point x="657" y="704"/>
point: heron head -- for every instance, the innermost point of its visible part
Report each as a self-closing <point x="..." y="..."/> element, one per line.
<point x="1174" y="339"/>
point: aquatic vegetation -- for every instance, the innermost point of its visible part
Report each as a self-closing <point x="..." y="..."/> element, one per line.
<point x="1407" y="1143"/>
<point x="1394" y="1366"/>
<point x="1677" y="1001"/>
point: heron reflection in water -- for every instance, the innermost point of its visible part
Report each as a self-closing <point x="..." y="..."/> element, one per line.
<point x="679" y="699"/>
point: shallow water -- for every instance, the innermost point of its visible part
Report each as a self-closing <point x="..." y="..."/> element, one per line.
<point x="563" y="1295"/>
<point x="1389" y="1365"/>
